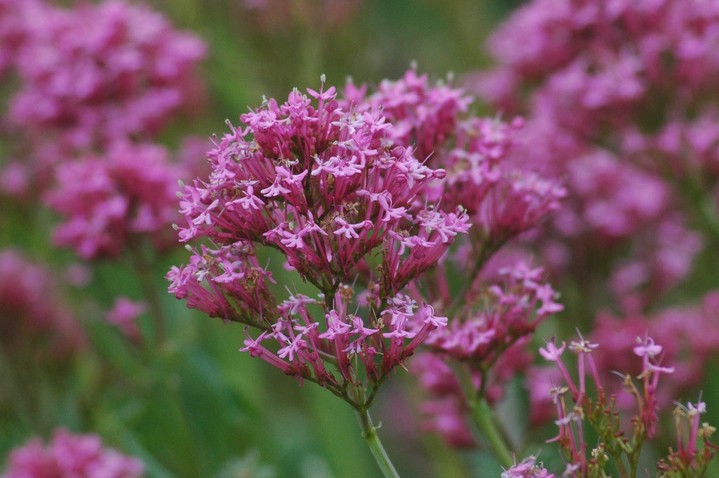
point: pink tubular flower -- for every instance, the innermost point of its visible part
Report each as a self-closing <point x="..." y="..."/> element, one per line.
<point x="70" y="456"/>
<point x="107" y="202"/>
<point x="124" y="314"/>
<point x="328" y="188"/>
<point x="527" y="468"/>
<point x="504" y="316"/>
<point x="97" y="73"/>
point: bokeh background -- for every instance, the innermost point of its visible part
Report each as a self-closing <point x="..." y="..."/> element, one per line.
<point x="192" y="405"/>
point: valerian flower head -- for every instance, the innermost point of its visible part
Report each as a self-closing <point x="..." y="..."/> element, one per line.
<point x="70" y="456"/>
<point x="330" y="189"/>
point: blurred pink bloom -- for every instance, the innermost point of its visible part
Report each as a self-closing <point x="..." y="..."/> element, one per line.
<point x="527" y="468"/>
<point x="109" y="202"/>
<point x="30" y="310"/>
<point x="124" y="315"/>
<point x="97" y="73"/>
<point x="70" y="456"/>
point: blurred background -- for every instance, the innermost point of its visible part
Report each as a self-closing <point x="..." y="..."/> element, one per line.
<point x="194" y="406"/>
<point x="105" y="101"/>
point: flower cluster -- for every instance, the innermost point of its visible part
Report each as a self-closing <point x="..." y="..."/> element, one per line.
<point x="329" y="189"/>
<point x="30" y="311"/>
<point x="595" y="408"/>
<point x="694" y="451"/>
<point x="527" y="468"/>
<point x="502" y="199"/>
<point x="108" y="203"/>
<point x="500" y="317"/>
<point x="14" y="18"/>
<point x="347" y="340"/>
<point x="488" y="338"/>
<point x="97" y="73"/>
<point x="70" y="456"/>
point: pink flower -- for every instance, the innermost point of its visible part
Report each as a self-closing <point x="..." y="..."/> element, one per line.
<point x="124" y="315"/>
<point x="98" y="73"/>
<point x="70" y="456"/>
<point x="31" y="311"/>
<point x="109" y="202"/>
<point x="527" y="468"/>
<point x="328" y="188"/>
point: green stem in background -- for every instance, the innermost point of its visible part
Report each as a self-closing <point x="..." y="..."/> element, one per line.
<point x="19" y="397"/>
<point x="144" y="270"/>
<point x="484" y="418"/>
<point x="369" y="433"/>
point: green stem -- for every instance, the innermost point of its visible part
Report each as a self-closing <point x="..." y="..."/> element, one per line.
<point x="369" y="433"/>
<point x="484" y="418"/>
<point x="144" y="270"/>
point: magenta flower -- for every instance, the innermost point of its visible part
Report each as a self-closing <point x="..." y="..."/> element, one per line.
<point x="124" y="315"/>
<point x="70" y="456"/>
<point x="503" y="316"/>
<point x="109" y="202"/>
<point x="619" y="102"/>
<point x="31" y="311"/>
<point x="331" y="190"/>
<point x="98" y="73"/>
<point x="527" y="468"/>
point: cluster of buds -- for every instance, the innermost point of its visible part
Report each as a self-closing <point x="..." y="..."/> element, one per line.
<point x="329" y="189"/>
<point x="598" y="410"/>
<point x="694" y="451"/>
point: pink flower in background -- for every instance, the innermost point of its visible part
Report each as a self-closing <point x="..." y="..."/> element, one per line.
<point x="109" y="202"/>
<point x="98" y="73"/>
<point x="16" y="18"/>
<point x="70" y="456"/>
<point x="124" y="315"/>
<point x="527" y="468"/>
<point x="30" y="310"/>
<point x="621" y="104"/>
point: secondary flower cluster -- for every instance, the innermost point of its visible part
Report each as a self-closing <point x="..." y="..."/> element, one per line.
<point x="109" y="201"/>
<point x="500" y="317"/>
<point x="595" y="408"/>
<point x="501" y="197"/>
<point x="30" y="312"/>
<point x="70" y="456"/>
<point x="96" y="73"/>
<point x="329" y="189"/>
<point x="489" y="338"/>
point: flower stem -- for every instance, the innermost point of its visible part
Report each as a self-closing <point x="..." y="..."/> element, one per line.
<point x="369" y="432"/>
<point x="144" y="269"/>
<point x="484" y="418"/>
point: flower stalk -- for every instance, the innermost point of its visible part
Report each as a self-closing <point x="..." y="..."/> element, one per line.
<point x="369" y="433"/>
<point x="484" y="419"/>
